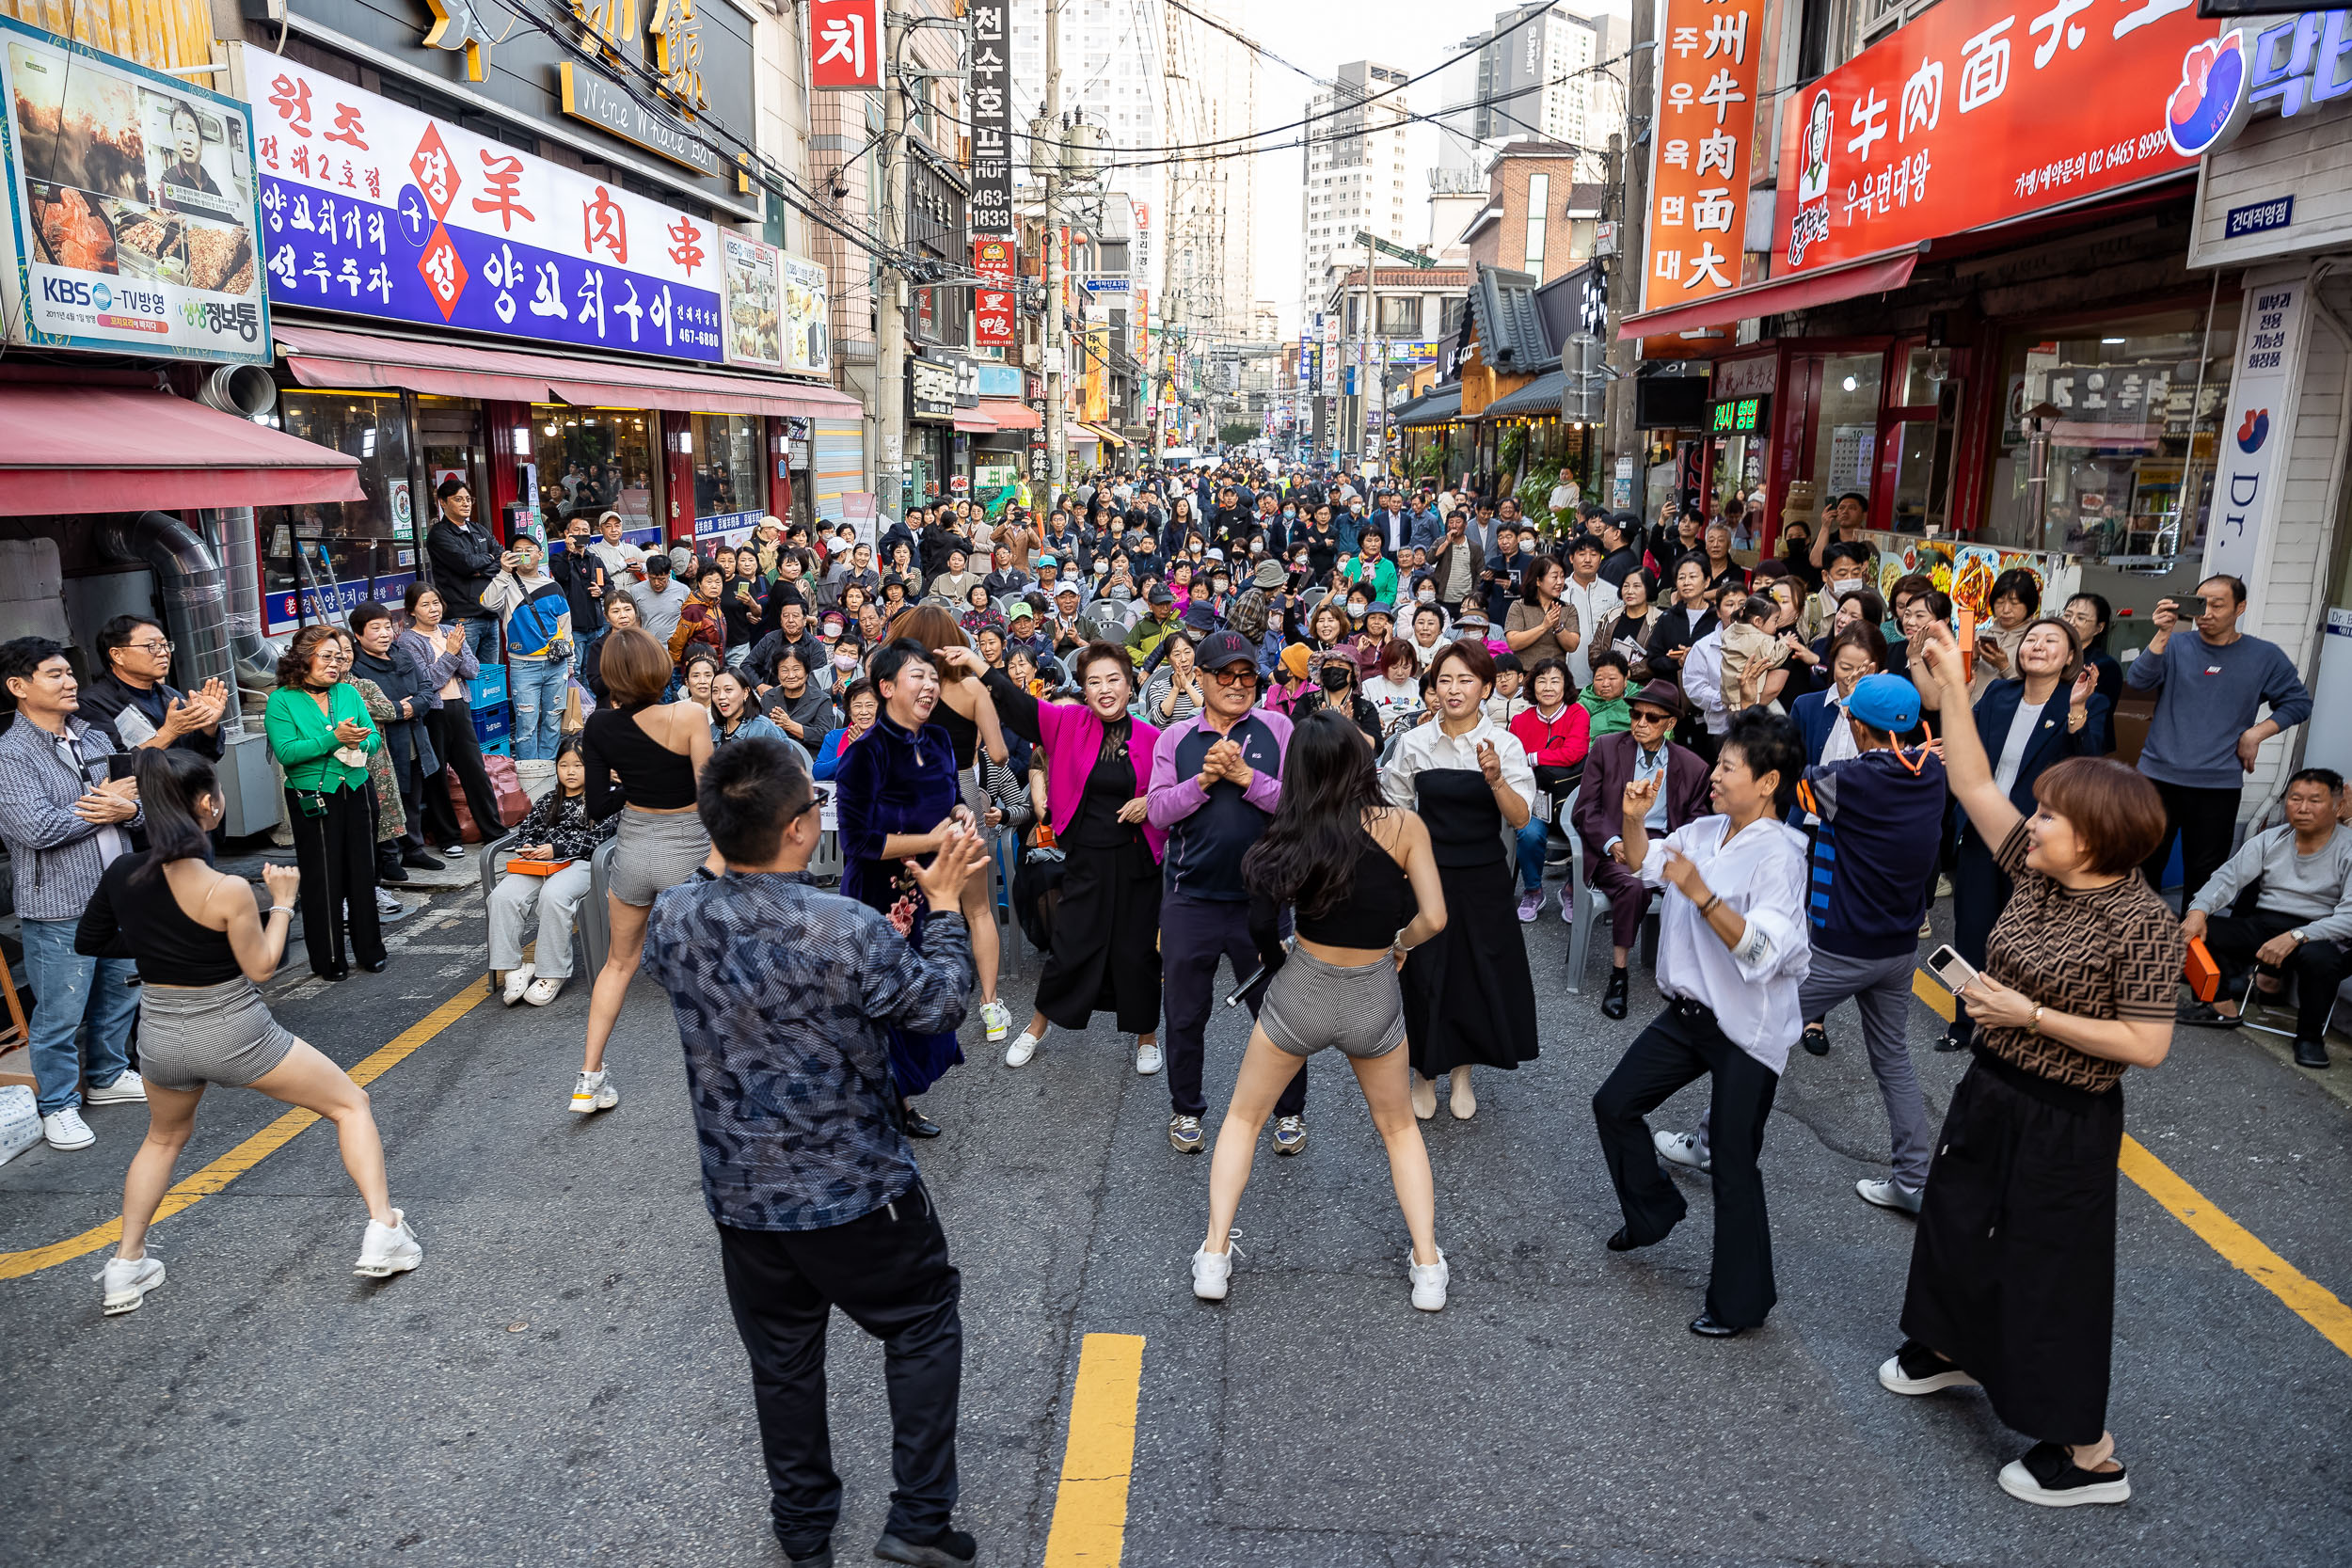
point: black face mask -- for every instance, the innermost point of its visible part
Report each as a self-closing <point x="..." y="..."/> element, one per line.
<point x="1334" y="681"/>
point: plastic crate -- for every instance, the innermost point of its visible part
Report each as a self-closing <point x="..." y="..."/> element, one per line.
<point x="487" y="687"/>
<point x="492" y="723"/>
<point x="503" y="745"/>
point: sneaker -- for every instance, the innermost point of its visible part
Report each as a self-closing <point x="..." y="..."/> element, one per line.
<point x="127" y="1281"/>
<point x="996" y="1019"/>
<point x="1024" y="1046"/>
<point x="389" y="907"/>
<point x="421" y="861"/>
<point x="123" y="1090"/>
<point x="1890" y="1194"/>
<point x="1917" y="1369"/>
<point x="66" y="1130"/>
<point x="595" y="1091"/>
<point x="1567" y="903"/>
<point x="1684" y="1150"/>
<point x="2047" y="1474"/>
<point x="517" y="981"/>
<point x="955" y="1548"/>
<point x="1146" y="1057"/>
<point x="1428" y="1284"/>
<point x="388" y="1250"/>
<point x="452" y="851"/>
<point x="1531" y="904"/>
<point x="543" y="990"/>
<point x="1290" y="1134"/>
<point x="1184" y="1134"/>
<point x="1212" y="1270"/>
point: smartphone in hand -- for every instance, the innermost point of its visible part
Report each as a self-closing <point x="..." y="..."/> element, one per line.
<point x="1952" y="970"/>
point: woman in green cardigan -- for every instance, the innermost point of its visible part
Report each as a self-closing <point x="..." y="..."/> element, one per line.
<point x="320" y="732"/>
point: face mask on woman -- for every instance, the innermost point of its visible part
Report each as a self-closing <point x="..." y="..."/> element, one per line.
<point x="845" y="661"/>
<point x="1425" y="594"/>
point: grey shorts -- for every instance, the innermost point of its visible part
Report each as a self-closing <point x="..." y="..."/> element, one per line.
<point x="191" y="1036"/>
<point x="1357" y="1009"/>
<point x="654" y="850"/>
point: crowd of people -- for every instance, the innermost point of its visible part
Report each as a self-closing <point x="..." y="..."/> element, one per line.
<point x="1339" y="735"/>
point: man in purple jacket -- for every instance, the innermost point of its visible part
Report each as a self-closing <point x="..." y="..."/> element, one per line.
<point x="1215" y="782"/>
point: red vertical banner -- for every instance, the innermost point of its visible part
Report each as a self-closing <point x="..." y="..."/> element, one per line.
<point x="1701" y="149"/>
<point x="993" y="313"/>
<point x="845" y="44"/>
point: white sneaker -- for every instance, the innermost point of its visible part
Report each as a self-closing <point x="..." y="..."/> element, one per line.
<point x="1429" y="1281"/>
<point x="517" y="981"/>
<point x="996" y="1019"/>
<point x="1024" y="1046"/>
<point x="1146" y="1057"/>
<point x="127" y="1281"/>
<point x="1212" y="1272"/>
<point x="1683" y="1150"/>
<point x="388" y="1250"/>
<point x="543" y="990"/>
<point x="595" y="1091"/>
<point x="387" y="906"/>
<point x="452" y="851"/>
<point x="66" y="1130"/>
<point x="126" y="1089"/>
<point x="1890" y="1194"/>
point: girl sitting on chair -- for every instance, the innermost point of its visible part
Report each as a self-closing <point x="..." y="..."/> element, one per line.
<point x="558" y="833"/>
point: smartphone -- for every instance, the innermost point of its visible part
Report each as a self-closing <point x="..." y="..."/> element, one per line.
<point x="1949" y="968"/>
<point x="121" y="765"/>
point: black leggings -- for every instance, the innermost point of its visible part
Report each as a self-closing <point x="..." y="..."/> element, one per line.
<point x="337" y="854"/>
<point x="451" y="725"/>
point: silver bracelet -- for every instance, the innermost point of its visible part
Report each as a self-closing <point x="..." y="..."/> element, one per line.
<point x="281" y="908"/>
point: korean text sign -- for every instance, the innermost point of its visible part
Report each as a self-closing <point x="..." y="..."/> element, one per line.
<point x="845" y="44"/>
<point x="376" y="209"/>
<point x="993" y="311"/>
<point x="991" y="118"/>
<point x="1707" y="63"/>
<point x="130" y="208"/>
<point x="1978" y="112"/>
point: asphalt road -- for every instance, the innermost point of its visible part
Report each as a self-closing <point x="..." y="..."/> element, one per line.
<point x="561" y="1383"/>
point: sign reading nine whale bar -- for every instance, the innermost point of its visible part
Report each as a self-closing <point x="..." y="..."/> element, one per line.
<point x="1976" y="112"/>
<point x="378" y="210"/>
<point x="588" y="96"/>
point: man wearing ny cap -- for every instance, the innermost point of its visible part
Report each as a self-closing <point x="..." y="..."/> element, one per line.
<point x="1215" y="783"/>
<point x="1874" y="867"/>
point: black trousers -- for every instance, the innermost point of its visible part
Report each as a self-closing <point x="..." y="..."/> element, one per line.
<point x="337" y="854"/>
<point x="2205" y="821"/>
<point x="1681" y="1045"/>
<point x="451" y="725"/>
<point x="1194" y="934"/>
<point x="889" y="1273"/>
<point x="2317" y="967"/>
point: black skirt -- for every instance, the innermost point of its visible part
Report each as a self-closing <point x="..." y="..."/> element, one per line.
<point x="2012" y="1268"/>
<point x="1469" y="998"/>
<point x="1106" y="940"/>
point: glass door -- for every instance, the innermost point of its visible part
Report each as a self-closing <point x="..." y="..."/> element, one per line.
<point x="1915" y="443"/>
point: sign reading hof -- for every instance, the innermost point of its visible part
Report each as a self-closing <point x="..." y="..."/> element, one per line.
<point x="991" y="121"/>
<point x="130" y="223"/>
<point x="376" y="209"/>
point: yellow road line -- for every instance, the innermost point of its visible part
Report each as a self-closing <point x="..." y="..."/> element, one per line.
<point x="268" y="1141"/>
<point x="2306" y="1298"/>
<point x="1090" y="1509"/>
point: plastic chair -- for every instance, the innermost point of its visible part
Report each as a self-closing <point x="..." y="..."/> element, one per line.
<point x="1005" y="850"/>
<point x="1591" y="908"/>
<point x="592" y="929"/>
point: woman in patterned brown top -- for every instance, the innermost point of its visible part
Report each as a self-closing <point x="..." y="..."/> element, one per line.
<point x="2012" y="1272"/>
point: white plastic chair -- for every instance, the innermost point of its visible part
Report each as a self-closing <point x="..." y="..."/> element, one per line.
<point x="1592" y="905"/>
<point x="592" y="927"/>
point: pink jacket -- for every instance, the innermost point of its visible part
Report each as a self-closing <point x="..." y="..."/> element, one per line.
<point x="1074" y="739"/>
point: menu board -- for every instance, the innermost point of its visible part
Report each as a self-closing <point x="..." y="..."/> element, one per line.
<point x="131" y="208"/>
<point x="778" y="314"/>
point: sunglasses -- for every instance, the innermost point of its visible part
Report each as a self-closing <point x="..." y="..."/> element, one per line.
<point x="1234" y="677"/>
<point x="1650" y="716"/>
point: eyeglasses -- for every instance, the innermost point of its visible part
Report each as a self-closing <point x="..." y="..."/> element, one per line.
<point x="1234" y="677"/>
<point x="151" y="645"/>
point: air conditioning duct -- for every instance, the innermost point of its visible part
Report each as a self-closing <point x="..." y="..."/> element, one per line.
<point x="247" y="391"/>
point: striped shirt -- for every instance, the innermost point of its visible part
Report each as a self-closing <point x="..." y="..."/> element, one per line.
<point x="55" y="856"/>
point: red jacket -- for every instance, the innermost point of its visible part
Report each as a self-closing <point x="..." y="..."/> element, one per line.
<point x="1561" y="743"/>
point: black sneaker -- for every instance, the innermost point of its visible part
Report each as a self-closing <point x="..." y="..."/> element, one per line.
<point x="390" y="874"/>
<point x="1917" y="1369"/>
<point x="2046" y="1474"/>
<point x="954" y="1548"/>
<point x="1815" y="1040"/>
<point x="422" y="862"/>
<point x="2311" y="1052"/>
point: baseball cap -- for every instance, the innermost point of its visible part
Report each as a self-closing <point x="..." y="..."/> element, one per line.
<point x="1220" y="649"/>
<point x="1885" y="701"/>
<point x="1161" y="595"/>
<point x="1048" y="559"/>
<point x="1020" y="613"/>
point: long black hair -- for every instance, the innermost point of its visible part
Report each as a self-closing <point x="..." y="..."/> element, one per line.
<point x="171" y="780"/>
<point x="1307" y="856"/>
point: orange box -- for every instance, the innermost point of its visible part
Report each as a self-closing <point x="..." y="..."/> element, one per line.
<point x="2202" y="974"/>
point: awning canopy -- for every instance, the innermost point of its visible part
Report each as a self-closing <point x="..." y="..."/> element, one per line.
<point x="1439" y="408"/>
<point x="1111" y="436"/>
<point x="321" y="357"/>
<point x="119" y="449"/>
<point x="974" y="421"/>
<point x="1539" y="396"/>
<point x="1009" y="415"/>
<point x="1872" y="275"/>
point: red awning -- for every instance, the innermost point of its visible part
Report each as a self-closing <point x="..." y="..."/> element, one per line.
<point x="117" y="449"/>
<point x="974" y="421"/>
<point x="321" y="357"/>
<point x="1803" y="290"/>
<point x="1009" y="415"/>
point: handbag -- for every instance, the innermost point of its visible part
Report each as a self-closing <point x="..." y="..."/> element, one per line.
<point x="514" y="804"/>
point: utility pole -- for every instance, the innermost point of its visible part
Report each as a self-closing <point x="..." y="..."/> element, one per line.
<point x="1056" y="349"/>
<point x="890" y="327"/>
<point x="1363" y="359"/>
<point x="1625" y="276"/>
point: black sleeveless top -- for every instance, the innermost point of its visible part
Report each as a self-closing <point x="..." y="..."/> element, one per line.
<point x="1379" y="904"/>
<point x="171" y="949"/>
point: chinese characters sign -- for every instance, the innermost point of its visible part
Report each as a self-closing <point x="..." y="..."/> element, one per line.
<point x="994" y="314"/>
<point x="1979" y="112"/>
<point x="1699" y="174"/>
<point x="991" y="120"/>
<point x="378" y="210"/>
<point x="845" y="44"/>
<point x="130" y="208"/>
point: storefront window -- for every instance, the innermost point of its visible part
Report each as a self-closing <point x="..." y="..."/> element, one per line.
<point x="591" y="461"/>
<point x="2103" y="432"/>
<point x="730" y="485"/>
<point x="1845" y="449"/>
<point x="349" y="551"/>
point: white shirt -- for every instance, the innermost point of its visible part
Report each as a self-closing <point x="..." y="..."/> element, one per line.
<point x="1429" y="746"/>
<point x="2013" y="748"/>
<point x="1703" y="681"/>
<point x="1594" y="603"/>
<point x="1751" y="989"/>
<point x="1395" y="701"/>
<point x="113" y="841"/>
